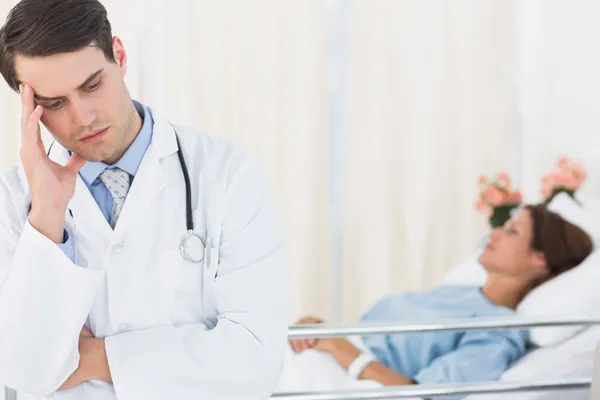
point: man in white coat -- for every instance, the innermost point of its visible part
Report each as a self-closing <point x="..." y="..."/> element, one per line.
<point x="97" y="300"/>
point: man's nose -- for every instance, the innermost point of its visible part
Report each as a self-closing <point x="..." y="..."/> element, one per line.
<point x="83" y="112"/>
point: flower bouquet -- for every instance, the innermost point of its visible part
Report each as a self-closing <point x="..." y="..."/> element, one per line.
<point x="567" y="176"/>
<point x="497" y="199"/>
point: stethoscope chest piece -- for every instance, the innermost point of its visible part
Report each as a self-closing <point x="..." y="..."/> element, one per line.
<point x="192" y="248"/>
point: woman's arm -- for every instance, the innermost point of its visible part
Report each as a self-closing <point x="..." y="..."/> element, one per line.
<point x="345" y="353"/>
<point x="376" y="371"/>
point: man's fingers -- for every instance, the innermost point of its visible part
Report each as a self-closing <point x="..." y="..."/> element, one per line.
<point x="34" y="119"/>
<point x="30" y="118"/>
<point x="75" y="163"/>
<point x="31" y="130"/>
<point x="24" y="105"/>
<point x="27" y="102"/>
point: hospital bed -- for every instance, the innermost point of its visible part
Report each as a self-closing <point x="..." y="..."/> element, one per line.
<point x="563" y="315"/>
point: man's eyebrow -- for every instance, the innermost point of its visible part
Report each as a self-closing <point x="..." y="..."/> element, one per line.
<point x="84" y="84"/>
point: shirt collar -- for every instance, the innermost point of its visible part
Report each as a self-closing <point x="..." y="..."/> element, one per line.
<point x="131" y="160"/>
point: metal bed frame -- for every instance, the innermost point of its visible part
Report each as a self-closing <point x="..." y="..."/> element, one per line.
<point x="432" y="391"/>
<point x="454" y="324"/>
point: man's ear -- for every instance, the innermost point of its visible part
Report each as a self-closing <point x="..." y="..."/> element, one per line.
<point x="120" y="55"/>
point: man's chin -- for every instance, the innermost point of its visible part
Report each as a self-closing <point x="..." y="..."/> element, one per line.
<point x="481" y="260"/>
<point x="94" y="156"/>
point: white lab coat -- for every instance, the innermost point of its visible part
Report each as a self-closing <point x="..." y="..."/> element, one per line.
<point x="168" y="333"/>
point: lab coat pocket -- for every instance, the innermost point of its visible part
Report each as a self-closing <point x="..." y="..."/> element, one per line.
<point x="181" y="288"/>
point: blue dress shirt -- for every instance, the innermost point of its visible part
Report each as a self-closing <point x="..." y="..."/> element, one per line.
<point x="130" y="162"/>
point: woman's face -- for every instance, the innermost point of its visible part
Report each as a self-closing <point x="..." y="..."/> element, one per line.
<point x="509" y="251"/>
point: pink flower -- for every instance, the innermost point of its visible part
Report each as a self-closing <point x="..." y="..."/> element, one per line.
<point x="494" y="196"/>
<point x="559" y="180"/>
<point x="515" y="198"/>
<point x="503" y="179"/>
<point x="578" y="171"/>
<point x="546" y="191"/>
<point x="495" y="192"/>
<point x="567" y="174"/>
<point x="571" y="183"/>
<point x="546" y="180"/>
<point x="563" y="161"/>
<point x="483" y="208"/>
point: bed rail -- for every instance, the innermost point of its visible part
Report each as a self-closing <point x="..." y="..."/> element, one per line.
<point x="432" y="391"/>
<point x="306" y="331"/>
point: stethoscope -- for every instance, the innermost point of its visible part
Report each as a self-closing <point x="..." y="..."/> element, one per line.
<point x="192" y="248"/>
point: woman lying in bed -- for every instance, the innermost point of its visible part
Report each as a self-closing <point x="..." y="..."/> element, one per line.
<point x="531" y="248"/>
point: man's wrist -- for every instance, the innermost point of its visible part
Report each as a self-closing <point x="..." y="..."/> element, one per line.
<point x="49" y="223"/>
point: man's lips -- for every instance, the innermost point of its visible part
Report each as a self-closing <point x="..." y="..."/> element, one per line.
<point x="94" y="136"/>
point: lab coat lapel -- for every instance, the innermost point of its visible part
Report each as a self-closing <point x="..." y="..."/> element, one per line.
<point x="85" y="209"/>
<point x="151" y="176"/>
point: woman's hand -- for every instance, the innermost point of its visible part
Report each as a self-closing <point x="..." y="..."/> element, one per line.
<point x="341" y="349"/>
<point x="299" y="345"/>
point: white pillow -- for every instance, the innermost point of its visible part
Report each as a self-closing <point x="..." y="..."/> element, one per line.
<point x="573" y="293"/>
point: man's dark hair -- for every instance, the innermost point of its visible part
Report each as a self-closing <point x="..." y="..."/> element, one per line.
<point x="38" y="28"/>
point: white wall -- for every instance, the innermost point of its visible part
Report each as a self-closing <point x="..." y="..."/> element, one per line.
<point x="560" y="87"/>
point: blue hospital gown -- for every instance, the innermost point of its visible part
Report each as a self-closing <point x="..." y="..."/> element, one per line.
<point x="445" y="357"/>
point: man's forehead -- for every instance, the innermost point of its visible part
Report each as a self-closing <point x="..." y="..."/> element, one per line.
<point x="59" y="74"/>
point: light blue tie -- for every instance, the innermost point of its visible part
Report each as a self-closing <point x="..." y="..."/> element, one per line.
<point x="117" y="182"/>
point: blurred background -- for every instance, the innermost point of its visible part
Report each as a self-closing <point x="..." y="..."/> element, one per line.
<point x="372" y="118"/>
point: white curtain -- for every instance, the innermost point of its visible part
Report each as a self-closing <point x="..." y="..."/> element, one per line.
<point x="431" y="105"/>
